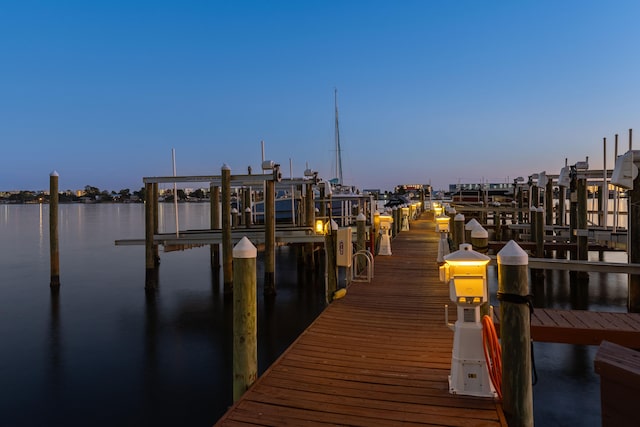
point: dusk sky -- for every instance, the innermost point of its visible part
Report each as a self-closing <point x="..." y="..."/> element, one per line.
<point x="433" y="92"/>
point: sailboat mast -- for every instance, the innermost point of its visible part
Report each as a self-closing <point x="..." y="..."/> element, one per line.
<point x="337" y="136"/>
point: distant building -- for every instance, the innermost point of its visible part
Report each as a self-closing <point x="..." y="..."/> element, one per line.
<point x="476" y="192"/>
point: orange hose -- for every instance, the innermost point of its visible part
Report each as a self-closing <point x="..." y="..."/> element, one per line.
<point x="492" y="353"/>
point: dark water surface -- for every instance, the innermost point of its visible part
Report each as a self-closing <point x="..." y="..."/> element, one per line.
<point x="103" y="351"/>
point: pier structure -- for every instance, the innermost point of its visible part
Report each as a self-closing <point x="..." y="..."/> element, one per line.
<point x="380" y="356"/>
<point x="542" y="228"/>
<point x="302" y="222"/>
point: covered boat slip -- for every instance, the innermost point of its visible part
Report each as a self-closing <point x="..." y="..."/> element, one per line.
<point x="379" y="356"/>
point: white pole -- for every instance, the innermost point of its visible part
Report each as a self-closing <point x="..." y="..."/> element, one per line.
<point x="616" y="192"/>
<point x="605" y="186"/>
<point x="293" y="193"/>
<point x="175" y="191"/>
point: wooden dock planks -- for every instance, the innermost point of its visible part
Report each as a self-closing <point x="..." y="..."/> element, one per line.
<point x="585" y="327"/>
<point x="379" y="356"/>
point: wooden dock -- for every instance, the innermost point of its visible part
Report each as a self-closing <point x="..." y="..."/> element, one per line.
<point x="585" y="327"/>
<point x="380" y="356"/>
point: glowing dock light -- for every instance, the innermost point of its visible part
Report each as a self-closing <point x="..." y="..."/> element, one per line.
<point x="466" y="272"/>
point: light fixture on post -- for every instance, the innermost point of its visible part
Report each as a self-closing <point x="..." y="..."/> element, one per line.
<point x="465" y="270"/>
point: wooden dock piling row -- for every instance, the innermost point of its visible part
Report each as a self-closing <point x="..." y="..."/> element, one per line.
<point x="379" y="356"/>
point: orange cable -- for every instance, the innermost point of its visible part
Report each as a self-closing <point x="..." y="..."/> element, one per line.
<point x="492" y="353"/>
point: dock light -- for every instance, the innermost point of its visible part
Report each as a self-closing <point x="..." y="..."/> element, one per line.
<point x="465" y="270"/>
<point x="319" y="226"/>
<point x="442" y="223"/>
<point x="385" y="231"/>
<point x="437" y="209"/>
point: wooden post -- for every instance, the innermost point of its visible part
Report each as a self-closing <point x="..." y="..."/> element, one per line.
<point x="330" y="243"/>
<point x="539" y="236"/>
<point x="310" y="221"/>
<point x="548" y="203"/>
<point x="517" y="394"/>
<point x="395" y="227"/>
<point x="532" y="224"/>
<point x="581" y="224"/>
<point x="480" y="239"/>
<point x="245" y="337"/>
<point x="235" y="216"/>
<point x="214" y="201"/>
<point x="537" y="216"/>
<point x="452" y="230"/>
<point x="458" y="226"/>
<point x="633" y="239"/>
<point x="361" y="231"/>
<point x="227" y="256"/>
<point x="520" y="204"/>
<point x="562" y="201"/>
<point x="270" y="238"/>
<point x="149" y="252"/>
<point x="156" y="223"/>
<point x="53" y="230"/>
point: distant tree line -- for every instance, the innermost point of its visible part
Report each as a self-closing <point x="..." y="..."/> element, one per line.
<point x="93" y="194"/>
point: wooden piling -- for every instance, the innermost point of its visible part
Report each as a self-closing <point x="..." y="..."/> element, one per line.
<point x="633" y="242"/>
<point x="330" y="243"/>
<point x="235" y="216"/>
<point x="270" y="238"/>
<point x="480" y="239"/>
<point x="581" y="224"/>
<point x="562" y="201"/>
<point x="245" y="337"/>
<point x="54" y="250"/>
<point x="156" y="223"/>
<point x="227" y="256"/>
<point x="539" y="236"/>
<point x="149" y="252"/>
<point x="517" y="394"/>
<point x="361" y="221"/>
<point x="452" y="230"/>
<point x="214" y="205"/>
<point x="458" y="226"/>
<point x="548" y="202"/>
<point x="310" y="221"/>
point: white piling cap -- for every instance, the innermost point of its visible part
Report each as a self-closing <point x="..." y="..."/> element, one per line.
<point x="466" y="254"/>
<point x="361" y="217"/>
<point x="334" y="225"/>
<point x="473" y="223"/>
<point x="248" y="209"/>
<point x="479" y="233"/>
<point x="512" y="254"/>
<point x="540" y="209"/>
<point x="245" y="249"/>
<point x="54" y="173"/>
<point x="225" y="167"/>
<point x="234" y="210"/>
<point x="533" y="209"/>
<point x="458" y="217"/>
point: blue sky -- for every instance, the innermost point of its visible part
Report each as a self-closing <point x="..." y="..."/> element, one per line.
<point x="428" y="91"/>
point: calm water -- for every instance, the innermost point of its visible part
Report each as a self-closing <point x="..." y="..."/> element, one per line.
<point x="105" y="352"/>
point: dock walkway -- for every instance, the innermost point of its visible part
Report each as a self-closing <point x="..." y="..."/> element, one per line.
<point x="585" y="327"/>
<point x="378" y="357"/>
